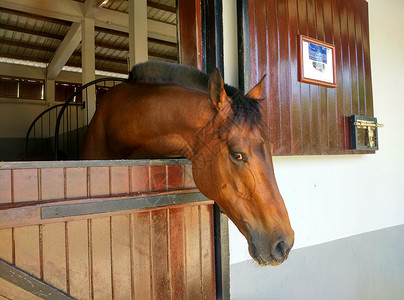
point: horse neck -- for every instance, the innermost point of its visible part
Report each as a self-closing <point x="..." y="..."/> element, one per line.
<point x="197" y="128"/>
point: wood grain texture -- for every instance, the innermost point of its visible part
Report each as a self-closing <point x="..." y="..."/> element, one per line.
<point x="99" y="181"/>
<point x="207" y="255"/>
<point x="79" y="262"/>
<point x="27" y="250"/>
<point x="6" y="244"/>
<point x="54" y="255"/>
<point x="192" y="259"/>
<point x="306" y="118"/>
<point x="141" y="252"/>
<point x="139" y="176"/>
<point x="160" y="255"/>
<point x="119" y="180"/>
<point x="189" y="37"/>
<point x="52" y="183"/>
<point x="150" y="253"/>
<point x="10" y="291"/>
<point x="177" y="253"/>
<point x="121" y="257"/>
<point x="25" y="185"/>
<point x="101" y="265"/>
<point x="5" y="186"/>
<point x="76" y="182"/>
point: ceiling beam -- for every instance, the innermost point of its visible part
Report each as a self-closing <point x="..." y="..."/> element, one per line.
<point x="73" y="11"/>
<point x="90" y="8"/>
<point x="126" y="35"/>
<point x="24" y="57"/>
<point x="9" y="42"/>
<point x="67" y="10"/>
<point x="32" y="32"/>
<point x="161" y="6"/>
<point x="64" y="51"/>
<point x="61" y="37"/>
<point x="78" y="53"/>
<point x="34" y="16"/>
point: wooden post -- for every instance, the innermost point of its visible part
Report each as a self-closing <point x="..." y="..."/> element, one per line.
<point x="138" y="50"/>
<point x="50" y="91"/>
<point x="88" y="64"/>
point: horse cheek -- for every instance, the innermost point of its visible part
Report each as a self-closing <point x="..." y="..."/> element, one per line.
<point x="204" y="175"/>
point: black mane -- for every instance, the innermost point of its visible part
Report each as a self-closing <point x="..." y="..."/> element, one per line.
<point x="245" y="109"/>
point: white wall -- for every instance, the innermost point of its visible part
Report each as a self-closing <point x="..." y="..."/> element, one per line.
<point x="16" y="115"/>
<point x="331" y="197"/>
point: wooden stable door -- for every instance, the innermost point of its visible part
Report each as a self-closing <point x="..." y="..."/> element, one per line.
<point x="307" y="118"/>
<point x="138" y="232"/>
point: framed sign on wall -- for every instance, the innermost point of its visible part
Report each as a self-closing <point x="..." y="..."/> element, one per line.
<point x="317" y="62"/>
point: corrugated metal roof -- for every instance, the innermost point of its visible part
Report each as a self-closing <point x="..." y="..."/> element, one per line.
<point x="25" y="36"/>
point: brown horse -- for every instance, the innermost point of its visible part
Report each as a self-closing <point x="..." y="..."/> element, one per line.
<point x="167" y="110"/>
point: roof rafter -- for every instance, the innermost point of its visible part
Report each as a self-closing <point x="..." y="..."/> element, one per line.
<point x="73" y="11"/>
<point x="161" y="6"/>
<point x="64" y="51"/>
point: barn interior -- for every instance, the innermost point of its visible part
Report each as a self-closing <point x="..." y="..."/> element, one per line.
<point x="49" y="50"/>
<point x="346" y="206"/>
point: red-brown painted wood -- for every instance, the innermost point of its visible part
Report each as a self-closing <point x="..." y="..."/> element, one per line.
<point x="119" y="180"/>
<point x="53" y="256"/>
<point x="139" y="176"/>
<point x="306" y="118"/>
<point x="192" y="259"/>
<point x="296" y="104"/>
<point x="165" y="253"/>
<point x="25" y="185"/>
<point x="175" y="177"/>
<point x="76" y="182"/>
<point x="158" y="178"/>
<point x="79" y="260"/>
<point x="177" y="253"/>
<point x="160" y="255"/>
<point x="52" y="183"/>
<point x="189" y="38"/>
<point x="27" y="251"/>
<point x="121" y="257"/>
<point x="99" y="181"/>
<point x="6" y="244"/>
<point x="5" y="186"/>
<point x="141" y="253"/>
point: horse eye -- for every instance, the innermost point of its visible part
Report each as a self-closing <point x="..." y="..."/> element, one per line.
<point x="239" y="157"/>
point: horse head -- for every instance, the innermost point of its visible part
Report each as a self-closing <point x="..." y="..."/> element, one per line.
<point x="232" y="165"/>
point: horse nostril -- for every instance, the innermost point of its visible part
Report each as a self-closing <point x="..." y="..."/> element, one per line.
<point x="281" y="250"/>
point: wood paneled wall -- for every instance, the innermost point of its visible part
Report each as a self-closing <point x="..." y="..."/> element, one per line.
<point x="305" y="118"/>
<point x="157" y="253"/>
<point x="189" y="33"/>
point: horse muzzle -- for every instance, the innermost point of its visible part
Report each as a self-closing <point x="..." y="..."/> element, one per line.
<point x="270" y="251"/>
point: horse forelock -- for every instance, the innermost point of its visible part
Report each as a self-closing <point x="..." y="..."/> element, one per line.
<point x="245" y="110"/>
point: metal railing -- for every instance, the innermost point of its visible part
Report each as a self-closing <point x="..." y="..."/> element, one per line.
<point x="70" y="120"/>
<point x="39" y="134"/>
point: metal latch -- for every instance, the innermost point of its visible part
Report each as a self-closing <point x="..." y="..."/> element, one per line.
<point x="369" y="126"/>
<point x="364" y="132"/>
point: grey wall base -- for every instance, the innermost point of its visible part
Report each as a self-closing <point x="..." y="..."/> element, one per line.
<point x="366" y="266"/>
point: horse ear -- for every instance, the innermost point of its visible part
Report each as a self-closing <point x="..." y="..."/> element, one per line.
<point x="217" y="94"/>
<point x="255" y="92"/>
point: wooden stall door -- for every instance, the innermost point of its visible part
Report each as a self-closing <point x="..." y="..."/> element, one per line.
<point x="306" y="118"/>
<point x="73" y="229"/>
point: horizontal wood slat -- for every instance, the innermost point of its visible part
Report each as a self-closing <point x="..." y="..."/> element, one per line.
<point x="36" y="182"/>
<point x="129" y="239"/>
<point x="142" y="254"/>
<point x="118" y="204"/>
